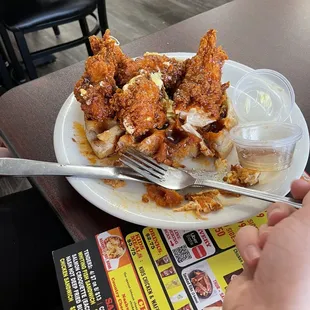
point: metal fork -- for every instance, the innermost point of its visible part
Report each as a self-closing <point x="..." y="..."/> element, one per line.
<point x="176" y="179"/>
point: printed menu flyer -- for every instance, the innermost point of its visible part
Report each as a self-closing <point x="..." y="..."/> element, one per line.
<point x="139" y="268"/>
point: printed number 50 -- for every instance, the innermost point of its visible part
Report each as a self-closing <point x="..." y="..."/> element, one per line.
<point x="219" y="231"/>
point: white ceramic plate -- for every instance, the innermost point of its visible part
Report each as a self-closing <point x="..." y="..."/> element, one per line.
<point x="125" y="203"/>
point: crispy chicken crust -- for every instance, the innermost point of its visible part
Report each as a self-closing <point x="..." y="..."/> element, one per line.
<point x="172" y="70"/>
<point x="139" y="107"/>
<point x="201" y="87"/>
<point x="135" y="93"/>
<point x="97" y="85"/>
<point x="165" y="108"/>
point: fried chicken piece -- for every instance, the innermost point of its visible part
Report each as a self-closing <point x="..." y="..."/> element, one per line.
<point x="242" y="176"/>
<point x="202" y="202"/>
<point x="172" y="70"/>
<point x="94" y="98"/>
<point x="97" y="85"/>
<point x="139" y="106"/>
<point x="108" y="46"/>
<point x="162" y="196"/>
<point x="201" y="91"/>
<point x="216" y="135"/>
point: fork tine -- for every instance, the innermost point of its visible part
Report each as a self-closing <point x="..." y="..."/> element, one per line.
<point x="135" y="168"/>
<point x="137" y="156"/>
<point x="142" y="167"/>
<point x="150" y="160"/>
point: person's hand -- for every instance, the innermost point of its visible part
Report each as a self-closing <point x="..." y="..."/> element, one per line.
<point x="276" y="270"/>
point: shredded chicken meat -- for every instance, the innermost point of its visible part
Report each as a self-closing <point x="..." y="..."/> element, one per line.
<point x="242" y="176"/>
<point x="202" y="202"/>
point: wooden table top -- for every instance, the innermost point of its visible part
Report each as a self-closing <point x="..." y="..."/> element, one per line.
<point x="259" y="33"/>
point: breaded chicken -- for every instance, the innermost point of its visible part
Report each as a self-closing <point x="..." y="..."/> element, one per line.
<point x="97" y="85"/>
<point x="107" y="46"/>
<point x="94" y="98"/>
<point x="201" y="91"/>
<point x="139" y="106"/>
<point x="172" y="70"/>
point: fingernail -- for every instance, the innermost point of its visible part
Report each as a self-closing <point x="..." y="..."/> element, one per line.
<point x="252" y="252"/>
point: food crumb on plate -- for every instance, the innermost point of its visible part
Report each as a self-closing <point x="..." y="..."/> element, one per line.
<point x="242" y="176"/>
<point x="114" y="183"/>
<point x="228" y="194"/>
<point x="145" y="198"/>
<point x="163" y="197"/>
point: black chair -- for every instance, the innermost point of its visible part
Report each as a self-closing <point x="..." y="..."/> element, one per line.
<point x="5" y="79"/>
<point x="20" y="17"/>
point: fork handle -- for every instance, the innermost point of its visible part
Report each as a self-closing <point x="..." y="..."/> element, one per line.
<point x="248" y="192"/>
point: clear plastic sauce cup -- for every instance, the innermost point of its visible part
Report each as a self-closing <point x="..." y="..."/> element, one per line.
<point x="263" y="101"/>
<point x="267" y="146"/>
<point x="263" y="95"/>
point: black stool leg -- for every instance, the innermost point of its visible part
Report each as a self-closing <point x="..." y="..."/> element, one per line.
<point x="56" y="30"/>
<point x="11" y="54"/>
<point x="102" y="13"/>
<point x="6" y="79"/>
<point x="85" y="32"/>
<point x="24" y="51"/>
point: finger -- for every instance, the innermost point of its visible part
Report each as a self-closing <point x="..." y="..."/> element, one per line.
<point x="247" y="273"/>
<point x="247" y="242"/>
<point x="277" y="212"/>
<point x="263" y="234"/>
<point x="300" y="188"/>
<point x="306" y="200"/>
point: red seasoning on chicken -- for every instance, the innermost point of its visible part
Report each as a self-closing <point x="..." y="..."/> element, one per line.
<point x="166" y="108"/>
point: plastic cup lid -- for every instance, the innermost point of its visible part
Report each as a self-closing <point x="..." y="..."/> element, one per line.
<point x="263" y="95"/>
